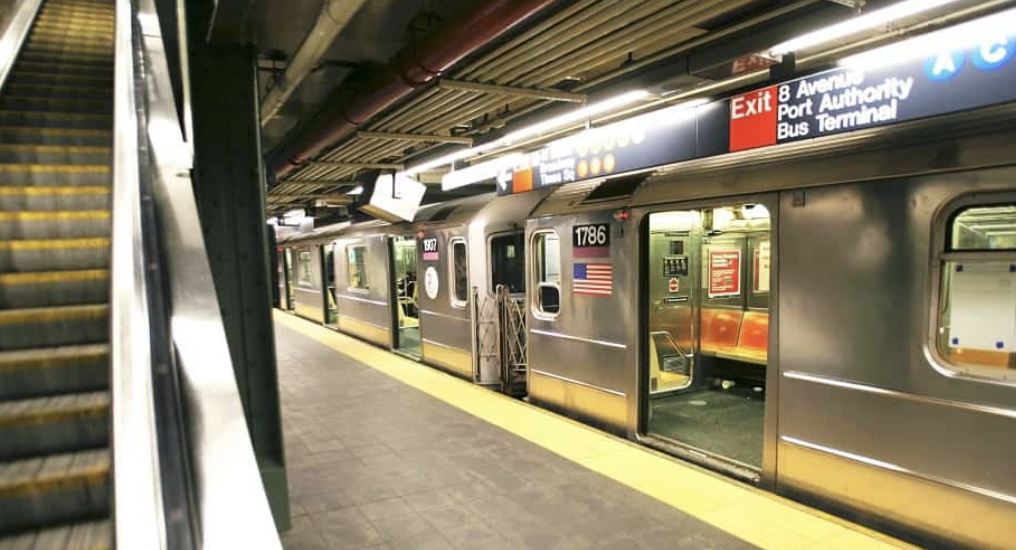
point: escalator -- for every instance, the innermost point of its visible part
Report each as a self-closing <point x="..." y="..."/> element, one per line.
<point x="55" y="184"/>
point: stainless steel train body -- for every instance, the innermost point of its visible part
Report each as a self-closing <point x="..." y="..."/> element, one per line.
<point x="808" y="277"/>
<point x="865" y="411"/>
<point x="307" y="288"/>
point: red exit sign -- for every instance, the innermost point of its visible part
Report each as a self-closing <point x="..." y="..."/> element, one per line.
<point x="753" y="119"/>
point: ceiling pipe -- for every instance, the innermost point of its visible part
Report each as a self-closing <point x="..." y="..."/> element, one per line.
<point x="410" y="69"/>
<point x="334" y="16"/>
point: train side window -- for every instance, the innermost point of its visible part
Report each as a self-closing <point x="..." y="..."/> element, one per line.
<point x="976" y="333"/>
<point x="547" y="265"/>
<point x="356" y="257"/>
<point x="507" y="263"/>
<point x="304" y="270"/>
<point x="459" y="273"/>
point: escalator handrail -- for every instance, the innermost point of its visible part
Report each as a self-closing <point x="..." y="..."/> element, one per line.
<point x="138" y="510"/>
<point x="229" y="502"/>
<point x="14" y="30"/>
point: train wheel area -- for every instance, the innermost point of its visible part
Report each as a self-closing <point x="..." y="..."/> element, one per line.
<point x="384" y="452"/>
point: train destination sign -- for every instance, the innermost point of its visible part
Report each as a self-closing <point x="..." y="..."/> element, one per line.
<point x="964" y="67"/>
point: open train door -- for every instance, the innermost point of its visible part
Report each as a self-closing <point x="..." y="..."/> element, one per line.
<point x="500" y="316"/>
<point x="708" y="282"/>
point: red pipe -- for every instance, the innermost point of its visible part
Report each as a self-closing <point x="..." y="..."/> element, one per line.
<point x="407" y="71"/>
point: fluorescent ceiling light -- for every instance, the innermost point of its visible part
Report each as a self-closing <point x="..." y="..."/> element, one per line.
<point x="991" y="34"/>
<point x="577" y="115"/>
<point x="298" y="213"/>
<point x="480" y="172"/>
<point x="537" y="129"/>
<point x="358" y="190"/>
<point x="857" y="24"/>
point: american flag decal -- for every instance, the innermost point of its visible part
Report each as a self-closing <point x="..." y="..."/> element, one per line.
<point x="593" y="279"/>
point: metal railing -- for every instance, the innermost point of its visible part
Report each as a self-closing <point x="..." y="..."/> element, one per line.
<point x="185" y="472"/>
<point x="14" y="28"/>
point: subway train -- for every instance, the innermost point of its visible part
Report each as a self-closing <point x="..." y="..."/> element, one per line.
<point x="831" y="319"/>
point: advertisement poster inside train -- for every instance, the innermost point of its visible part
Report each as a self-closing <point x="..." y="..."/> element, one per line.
<point x="724" y="272"/>
<point x="763" y="261"/>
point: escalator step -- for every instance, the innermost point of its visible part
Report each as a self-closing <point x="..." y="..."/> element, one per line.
<point x="95" y="535"/>
<point x="54" y="424"/>
<point x="53" y="326"/>
<point x="52" y="371"/>
<point x="54" y="174"/>
<point x="52" y="33"/>
<point x="55" y="136"/>
<point x="56" y="79"/>
<point x="64" y="68"/>
<point x="53" y="288"/>
<point x="49" y="90"/>
<point x="61" y="224"/>
<point x="54" y="198"/>
<point x="55" y="154"/>
<point x="53" y="489"/>
<point x="61" y="105"/>
<point x="56" y="120"/>
<point x="53" y="254"/>
<point x="67" y="54"/>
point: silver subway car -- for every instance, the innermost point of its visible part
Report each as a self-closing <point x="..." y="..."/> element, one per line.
<point x="832" y="320"/>
<point x="821" y="319"/>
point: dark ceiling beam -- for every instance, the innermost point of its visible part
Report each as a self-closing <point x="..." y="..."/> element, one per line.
<point x="421" y="138"/>
<point x="228" y="21"/>
<point x="534" y="93"/>
<point x="413" y="67"/>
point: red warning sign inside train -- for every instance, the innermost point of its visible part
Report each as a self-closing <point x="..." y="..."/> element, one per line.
<point x="724" y="272"/>
<point x="675" y="285"/>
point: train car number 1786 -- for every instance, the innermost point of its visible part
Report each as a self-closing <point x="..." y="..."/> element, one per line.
<point x="595" y="235"/>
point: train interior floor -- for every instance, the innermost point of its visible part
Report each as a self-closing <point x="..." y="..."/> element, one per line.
<point x="728" y="423"/>
<point x="389" y="454"/>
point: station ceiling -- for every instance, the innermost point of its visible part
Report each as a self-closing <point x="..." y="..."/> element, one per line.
<point x="584" y="47"/>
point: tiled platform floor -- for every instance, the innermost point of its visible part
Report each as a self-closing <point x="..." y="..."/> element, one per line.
<point x="374" y="463"/>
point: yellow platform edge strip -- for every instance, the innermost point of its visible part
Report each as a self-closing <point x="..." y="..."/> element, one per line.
<point x="764" y="519"/>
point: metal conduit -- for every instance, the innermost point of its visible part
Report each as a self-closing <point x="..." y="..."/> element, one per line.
<point x="581" y="34"/>
<point x="569" y="30"/>
<point x="334" y="16"/>
<point x="665" y="54"/>
<point x="474" y="107"/>
<point x="436" y="111"/>
<point x="676" y="22"/>
<point x="524" y="38"/>
<point x="411" y="68"/>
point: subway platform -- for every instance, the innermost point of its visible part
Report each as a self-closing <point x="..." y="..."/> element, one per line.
<point x="385" y="453"/>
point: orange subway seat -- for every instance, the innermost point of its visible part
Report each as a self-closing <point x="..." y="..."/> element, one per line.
<point x="754" y="337"/>
<point x="720" y="329"/>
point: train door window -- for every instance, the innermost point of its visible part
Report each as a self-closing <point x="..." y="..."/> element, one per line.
<point x="976" y="333"/>
<point x="459" y="273"/>
<point x="356" y="256"/>
<point x="547" y="265"/>
<point x="328" y="268"/>
<point x="303" y="267"/>
<point x="406" y="295"/>
<point x="507" y="263"/>
<point x="708" y="329"/>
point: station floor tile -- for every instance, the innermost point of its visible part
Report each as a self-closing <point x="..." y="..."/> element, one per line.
<point x="385" y="453"/>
